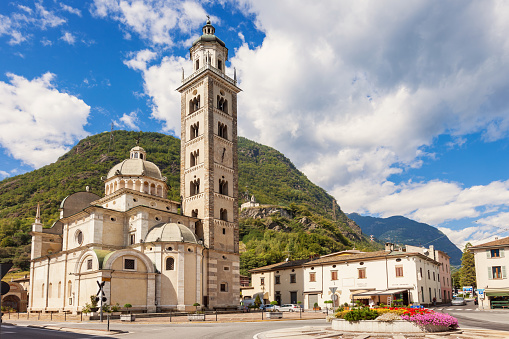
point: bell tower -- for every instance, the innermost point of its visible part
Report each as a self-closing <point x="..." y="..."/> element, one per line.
<point x="209" y="164"/>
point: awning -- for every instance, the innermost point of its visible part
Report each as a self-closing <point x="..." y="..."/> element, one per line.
<point x="361" y="294"/>
<point x="368" y="294"/>
<point x="496" y="292"/>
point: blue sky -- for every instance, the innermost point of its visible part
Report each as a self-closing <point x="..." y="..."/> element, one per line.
<point x="394" y="107"/>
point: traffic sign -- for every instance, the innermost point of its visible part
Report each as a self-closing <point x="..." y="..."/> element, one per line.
<point x="5" y="288"/>
<point x="480" y="292"/>
<point x="4" y="268"/>
<point x="333" y="289"/>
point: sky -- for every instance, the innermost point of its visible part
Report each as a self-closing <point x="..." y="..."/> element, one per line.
<point x="393" y="107"/>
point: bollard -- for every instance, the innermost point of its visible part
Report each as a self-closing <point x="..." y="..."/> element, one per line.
<point x="18" y="314"/>
<point x="300" y="312"/>
<point x="170" y="316"/>
<point x="39" y="316"/>
<point x="262" y="315"/>
<point x="51" y="316"/>
<point x="28" y="315"/>
<point x="9" y="314"/>
<point x="65" y="316"/>
<point x="216" y="315"/>
<point x="108" y="322"/>
<point x="81" y="313"/>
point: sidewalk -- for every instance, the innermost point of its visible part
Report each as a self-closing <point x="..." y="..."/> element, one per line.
<point x="323" y="332"/>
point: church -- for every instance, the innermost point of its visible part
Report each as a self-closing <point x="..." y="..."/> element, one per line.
<point x="151" y="252"/>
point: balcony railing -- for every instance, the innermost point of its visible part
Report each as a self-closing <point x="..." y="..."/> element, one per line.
<point x="213" y="69"/>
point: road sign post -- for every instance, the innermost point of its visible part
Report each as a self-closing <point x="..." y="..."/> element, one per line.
<point x="102" y="297"/>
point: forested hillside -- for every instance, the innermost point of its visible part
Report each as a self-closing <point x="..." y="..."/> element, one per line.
<point x="314" y="228"/>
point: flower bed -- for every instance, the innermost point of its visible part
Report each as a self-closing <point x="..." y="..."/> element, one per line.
<point x="393" y="319"/>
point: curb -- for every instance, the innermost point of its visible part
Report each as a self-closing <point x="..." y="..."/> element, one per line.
<point x="79" y="330"/>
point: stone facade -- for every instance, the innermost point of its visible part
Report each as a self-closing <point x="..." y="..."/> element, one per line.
<point x="134" y="239"/>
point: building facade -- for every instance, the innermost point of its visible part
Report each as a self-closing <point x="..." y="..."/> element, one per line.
<point x="445" y="268"/>
<point x="151" y="252"/>
<point x="348" y="276"/>
<point x="491" y="272"/>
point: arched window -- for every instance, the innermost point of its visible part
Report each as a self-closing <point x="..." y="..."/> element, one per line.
<point x="195" y="187"/>
<point x="222" y="104"/>
<point x="42" y="291"/>
<point x="223" y="187"/>
<point x="69" y="289"/>
<point x="50" y="292"/>
<point x="220" y="64"/>
<point x="194" y="104"/>
<point x="194" y="131"/>
<point x="59" y="288"/>
<point x="197" y="64"/>
<point x="222" y="130"/>
<point x="170" y="264"/>
<point x="194" y="160"/>
<point x="194" y="213"/>
<point x="223" y="214"/>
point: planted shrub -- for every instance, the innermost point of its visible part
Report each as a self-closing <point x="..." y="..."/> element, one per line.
<point x="432" y="318"/>
<point x="360" y="314"/>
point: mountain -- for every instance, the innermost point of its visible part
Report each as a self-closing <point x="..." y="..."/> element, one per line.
<point x="404" y="231"/>
<point x="315" y="224"/>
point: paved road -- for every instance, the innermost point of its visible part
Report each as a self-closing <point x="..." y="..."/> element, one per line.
<point x="231" y="330"/>
<point x="19" y="332"/>
<point x="469" y="317"/>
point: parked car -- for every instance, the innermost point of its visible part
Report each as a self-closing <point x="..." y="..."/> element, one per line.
<point x="458" y="301"/>
<point x="289" y="308"/>
<point x="269" y="308"/>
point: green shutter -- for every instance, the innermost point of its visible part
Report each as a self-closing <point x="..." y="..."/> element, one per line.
<point x="488" y="254"/>
<point x="503" y="272"/>
<point x="501" y="253"/>
<point x="490" y="273"/>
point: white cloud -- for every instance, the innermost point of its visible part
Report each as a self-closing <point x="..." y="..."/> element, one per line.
<point x="4" y="174"/>
<point x="160" y="82"/>
<point x="47" y="18"/>
<point x="70" y="9"/>
<point x="153" y="19"/>
<point x="55" y="119"/>
<point x="131" y="120"/>
<point x="353" y="91"/>
<point x="46" y="42"/>
<point x="69" y="38"/>
<point x="140" y="60"/>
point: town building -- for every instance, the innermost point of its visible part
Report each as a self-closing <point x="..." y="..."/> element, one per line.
<point x="491" y="273"/>
<point x="282" y="282"/>
<point x="151" y="252"/>
<point x="445" y="268"/>
<point x="349" y="276"/>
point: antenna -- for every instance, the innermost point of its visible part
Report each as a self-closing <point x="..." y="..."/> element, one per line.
<point x="112" y="139"/>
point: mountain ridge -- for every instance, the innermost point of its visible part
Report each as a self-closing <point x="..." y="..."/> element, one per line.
<point x="401" y="230"/>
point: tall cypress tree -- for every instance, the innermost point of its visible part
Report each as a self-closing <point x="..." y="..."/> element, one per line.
<point x="467" y="270"/>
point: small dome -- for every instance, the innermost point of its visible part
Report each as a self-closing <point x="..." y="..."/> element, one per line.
<point x="171" y="232"/>
<point x="209" y="35"/>
<point x="136" y="168"/>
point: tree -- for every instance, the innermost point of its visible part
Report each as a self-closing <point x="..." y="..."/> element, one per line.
<point x="456" y="279"/>
<point x="257" y="301"/>
<point x="467" y="270"/>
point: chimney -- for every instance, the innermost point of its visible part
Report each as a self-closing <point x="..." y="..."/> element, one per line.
<point x="389" y="247"/>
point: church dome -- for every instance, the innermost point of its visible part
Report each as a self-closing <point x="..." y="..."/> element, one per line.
<point x="171" y="232"/>
<point x="136" y="166"/>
